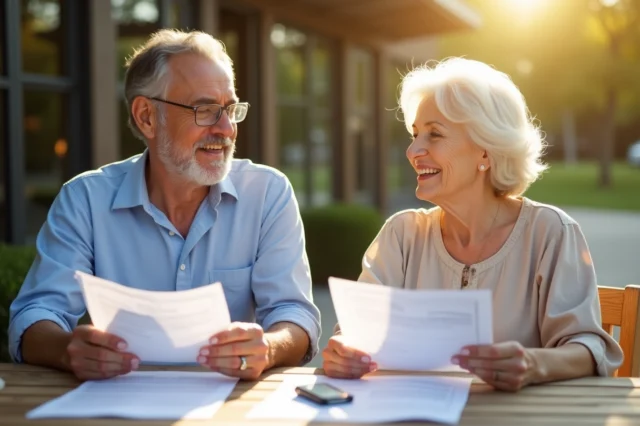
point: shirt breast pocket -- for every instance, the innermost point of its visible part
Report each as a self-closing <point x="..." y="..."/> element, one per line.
<point x="236" y="284"/>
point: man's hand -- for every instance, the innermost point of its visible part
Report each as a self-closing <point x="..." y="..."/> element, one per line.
<point x="506" y="366"/>
<point x="227" y="349"/>
<point x="94" y="354"/>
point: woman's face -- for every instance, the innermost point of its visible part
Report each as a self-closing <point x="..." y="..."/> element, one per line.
<point x="444" y="156"/>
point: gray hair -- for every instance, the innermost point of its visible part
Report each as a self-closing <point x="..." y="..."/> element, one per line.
<point x="147" y="67"/>
<point x="493" y="112"/>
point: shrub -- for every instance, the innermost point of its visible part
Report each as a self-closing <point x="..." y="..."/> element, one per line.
<point x="337" y="237"/>
<point x="15" y="262"/>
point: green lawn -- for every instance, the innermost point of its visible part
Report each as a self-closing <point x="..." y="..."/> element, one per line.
<point x="578" y="186"/>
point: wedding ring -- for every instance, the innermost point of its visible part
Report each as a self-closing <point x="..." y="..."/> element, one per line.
<point x="243" y="363"/>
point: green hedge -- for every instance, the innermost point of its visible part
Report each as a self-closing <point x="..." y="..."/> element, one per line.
<point x="337" y="237"/>
<point x="15" y="262"/>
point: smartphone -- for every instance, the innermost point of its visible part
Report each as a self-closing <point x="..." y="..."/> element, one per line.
<point x="323" y="393"/>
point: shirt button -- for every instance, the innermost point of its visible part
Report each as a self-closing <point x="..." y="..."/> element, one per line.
<point x="182" y="267"/>
<point x="172" y="233"/>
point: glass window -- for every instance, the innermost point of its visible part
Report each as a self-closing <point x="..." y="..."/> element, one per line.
<point x="290" y="63"/>
<point x="3" y="191"/>
<point x="231" y="42"/>
<point x="129" y="144"/>
<point x="291" y="126"/>
<point x="401" y="179"/>
<point x="364" y="166"/>
<point x="365" y="162"/>
<point x="303" y="73"/>
<point x="136" y="20"/>
<point x="321" y="82"/>
<point x="45" y="154"/>
<point x="321" y="159"/>
<point x="181" y="14"/>
<point x="363" y="69"/>
<point x="320" y="132"/>
<point x="42" y="36"/>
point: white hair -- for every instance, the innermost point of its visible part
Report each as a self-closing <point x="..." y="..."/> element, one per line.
<point x="147" y="68"/>
<point x="491" y="108"/>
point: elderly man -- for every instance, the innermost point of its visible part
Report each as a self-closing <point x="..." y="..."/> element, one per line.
<point x="183" y="214"/>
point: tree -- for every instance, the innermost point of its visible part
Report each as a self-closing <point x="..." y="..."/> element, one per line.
<point x="559" y="55"/>
<point x="618" y="24"/>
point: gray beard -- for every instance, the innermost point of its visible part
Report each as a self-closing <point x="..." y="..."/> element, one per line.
<point x="187" y="166"/>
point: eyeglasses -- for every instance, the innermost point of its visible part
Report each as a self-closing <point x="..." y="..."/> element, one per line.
<point x="209" y="114"/>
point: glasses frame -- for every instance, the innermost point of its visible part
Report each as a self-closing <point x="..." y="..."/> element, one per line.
<point x="195" y="110"/>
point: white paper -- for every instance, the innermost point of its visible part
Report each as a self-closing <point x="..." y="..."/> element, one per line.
<point x="167" y="327"/>
<point x="375" y="399"/>
<point x="411" y="329"/>
<point x="143" y="395"/>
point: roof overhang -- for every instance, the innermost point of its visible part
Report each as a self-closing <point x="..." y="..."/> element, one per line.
<point x="376" y="21"/>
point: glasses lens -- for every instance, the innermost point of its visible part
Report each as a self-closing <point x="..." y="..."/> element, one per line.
<point x="207" y="115"/>
<point x="238" y="112"/>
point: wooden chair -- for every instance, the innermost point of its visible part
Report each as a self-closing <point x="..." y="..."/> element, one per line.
<point x="620" y="306"/>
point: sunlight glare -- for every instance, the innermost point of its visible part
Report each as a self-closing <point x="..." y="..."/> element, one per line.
<point x="528" y="6"/>
<point x="609" y="3"/>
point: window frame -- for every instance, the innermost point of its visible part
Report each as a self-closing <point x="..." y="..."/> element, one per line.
<point x="74" y="85"/>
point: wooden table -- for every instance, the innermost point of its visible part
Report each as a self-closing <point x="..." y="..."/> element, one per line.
<point x="588" y="401"/>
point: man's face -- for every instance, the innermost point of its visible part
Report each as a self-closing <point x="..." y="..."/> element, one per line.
<point x="200" y="154"/>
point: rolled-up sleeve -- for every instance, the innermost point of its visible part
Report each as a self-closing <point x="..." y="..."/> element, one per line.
<point x="569" y="309"/>
<point x="281" y="279"/>
<point x="50" y="291"/>
<point x="382" y="262"/>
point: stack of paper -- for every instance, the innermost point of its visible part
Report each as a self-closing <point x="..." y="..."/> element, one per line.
<point x="159" y="327"/>
<point x="411" y="329"/>
<point x="375" y="399"/>
<point x="143" y="395"/>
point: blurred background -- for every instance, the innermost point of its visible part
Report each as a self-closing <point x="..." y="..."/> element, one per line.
<point x="322" y="78"/>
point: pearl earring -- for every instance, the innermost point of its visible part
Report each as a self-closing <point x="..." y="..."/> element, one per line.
<point x="482" y="167"/>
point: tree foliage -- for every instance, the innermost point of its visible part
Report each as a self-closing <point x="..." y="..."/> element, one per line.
<point x="560" y="54"/>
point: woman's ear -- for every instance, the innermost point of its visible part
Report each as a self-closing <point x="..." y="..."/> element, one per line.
<point x="144" y="115"/>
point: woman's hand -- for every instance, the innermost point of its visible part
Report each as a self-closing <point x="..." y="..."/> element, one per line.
<point x="506" y="366"/>
<point x="344" y="362"/>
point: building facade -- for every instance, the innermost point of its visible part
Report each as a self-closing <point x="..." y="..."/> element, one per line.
<point x="320" y="75"/>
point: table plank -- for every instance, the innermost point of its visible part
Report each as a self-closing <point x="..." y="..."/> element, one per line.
<point x="587" y="401"/>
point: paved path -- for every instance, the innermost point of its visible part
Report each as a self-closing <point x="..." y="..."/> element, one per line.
<point x="613" y="238"/>
<point x="614" y="242"/>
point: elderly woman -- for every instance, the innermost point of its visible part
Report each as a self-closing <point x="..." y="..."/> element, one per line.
<point x="475" y="151"/>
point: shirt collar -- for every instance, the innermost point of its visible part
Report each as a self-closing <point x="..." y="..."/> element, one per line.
<point x="227" y="187"/>
<point x="133" y="189"/>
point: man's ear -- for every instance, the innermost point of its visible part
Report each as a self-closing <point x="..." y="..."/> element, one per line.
<point x="144" y="114"/>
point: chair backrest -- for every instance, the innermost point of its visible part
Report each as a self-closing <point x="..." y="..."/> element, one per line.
<point x="619" y="306"/>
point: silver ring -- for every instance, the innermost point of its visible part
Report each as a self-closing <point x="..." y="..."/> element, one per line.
<point x="243" y="363"/>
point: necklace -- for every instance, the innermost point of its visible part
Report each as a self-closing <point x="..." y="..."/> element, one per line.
<point x="465" y="270"/>
<point x="484" y="244"/>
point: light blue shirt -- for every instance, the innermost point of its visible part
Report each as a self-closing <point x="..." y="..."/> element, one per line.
<point x="247" y="234"/>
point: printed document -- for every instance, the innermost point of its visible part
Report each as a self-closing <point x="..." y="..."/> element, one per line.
<point x="375" y="399"/>
<point x="143" y="395"/>
<point x="411" y="329"/>
<point x="165" y="327"/>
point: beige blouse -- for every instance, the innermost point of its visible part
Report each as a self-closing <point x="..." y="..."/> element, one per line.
<point x="543" y="280"/>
